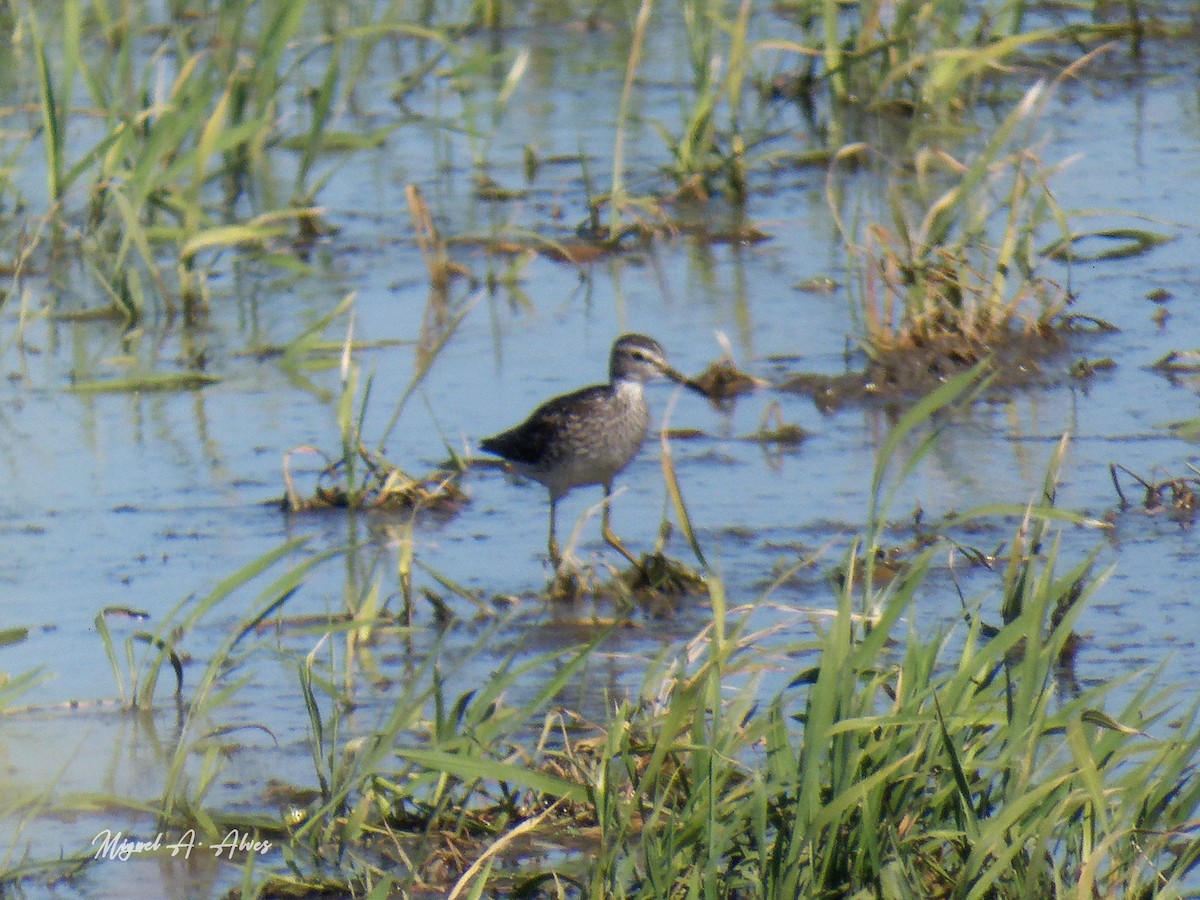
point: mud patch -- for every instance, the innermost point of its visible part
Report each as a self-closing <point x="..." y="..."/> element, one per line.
<point x="1017" y="360"/>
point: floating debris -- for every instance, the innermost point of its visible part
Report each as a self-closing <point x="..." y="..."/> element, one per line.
<point x="10" y="636"/>
<point x="1188" y="429"/>
<point x="574" y="251"/>
<point x="686" y="434"/>
<point x="739" y="234"/>
<point x="1129" y="242"/>
<point x="384" y="486"/>
<point x="1171" y="494"/>
<point x="1085" y="368"/>
<point x="774" y="430"/>
<point x="818" y="284"/>
<point x="1078" y="323"/>
<point x="723" y="380"/>
<point x="885" y="566"/>
<point x="1178" y="362"/>
<point x="490" y="191"/>
<point x="151" y="381"/>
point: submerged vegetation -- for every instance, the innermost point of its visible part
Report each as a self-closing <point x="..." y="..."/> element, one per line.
<point x="843" y="751"/>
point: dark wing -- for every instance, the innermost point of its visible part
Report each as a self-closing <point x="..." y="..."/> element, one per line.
<point x="533" y="440"/>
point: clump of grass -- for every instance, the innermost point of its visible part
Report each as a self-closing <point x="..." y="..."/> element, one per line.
<point x="361" y="478"/>
<point x="1177" y="495"/>
<point x="957" y="263"/>
<point x="381" y="485"/>
<point x="723" y="380"/>
<point x="657" y="582"/>
<point x="927" y="60"/>
<point x="147" y="172"/>
<point x="172" y="168"/>
<point x="931" y="772"/>
<point x="707" y="156"/>
<point x="708" y="152"/>
<point x="660" y="576"/>
<point x="416" y="820"/>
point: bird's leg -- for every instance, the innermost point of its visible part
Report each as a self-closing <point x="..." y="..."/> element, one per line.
<point x="566" y="583"/>
<point x="606" y="529"/>
<point x="555" y="556"/>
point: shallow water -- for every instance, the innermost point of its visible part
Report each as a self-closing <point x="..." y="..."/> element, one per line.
<point x="139" y="501"/>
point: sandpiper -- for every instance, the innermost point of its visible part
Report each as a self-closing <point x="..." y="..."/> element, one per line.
<point x="588" y="436"/>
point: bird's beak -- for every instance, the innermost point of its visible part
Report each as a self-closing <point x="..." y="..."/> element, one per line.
<point x="674" y="375"/>
<point x="680" y="378"/>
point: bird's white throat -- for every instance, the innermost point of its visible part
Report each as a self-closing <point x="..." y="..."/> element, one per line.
<point x="628" y="389"/>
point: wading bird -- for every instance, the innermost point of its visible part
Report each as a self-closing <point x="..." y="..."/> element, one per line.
<point x="590" y="435"/>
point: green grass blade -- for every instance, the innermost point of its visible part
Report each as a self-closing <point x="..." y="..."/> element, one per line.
<point x="52" y="137"/>
<point x="467" y="767"/>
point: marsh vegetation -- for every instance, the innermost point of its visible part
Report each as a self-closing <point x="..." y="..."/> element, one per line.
<point x="274" y="266"/>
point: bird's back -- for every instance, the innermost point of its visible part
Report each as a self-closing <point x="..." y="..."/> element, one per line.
<point x="585" y="437"/>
